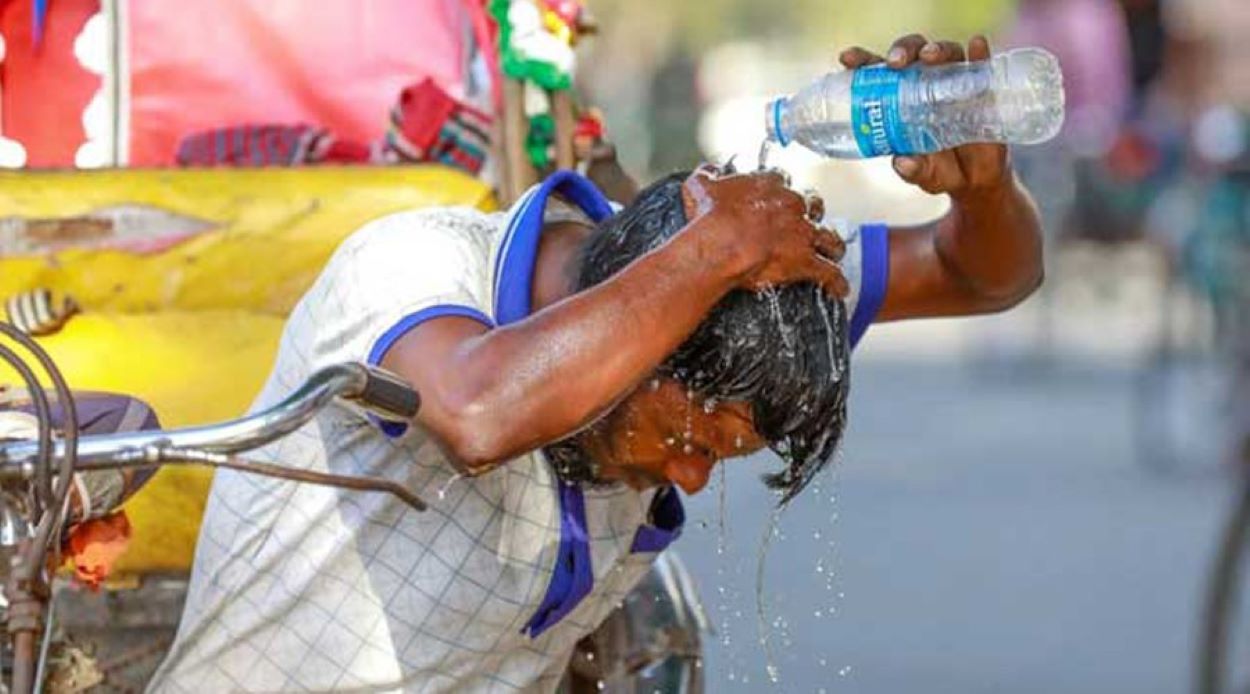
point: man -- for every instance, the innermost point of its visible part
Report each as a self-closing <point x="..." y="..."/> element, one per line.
<point x="578" y="364"/>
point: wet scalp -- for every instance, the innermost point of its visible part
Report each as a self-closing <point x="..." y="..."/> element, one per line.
<point x="785" y="351"/>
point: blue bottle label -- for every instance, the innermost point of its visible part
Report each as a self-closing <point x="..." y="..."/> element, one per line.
<point x="875" y="118"/>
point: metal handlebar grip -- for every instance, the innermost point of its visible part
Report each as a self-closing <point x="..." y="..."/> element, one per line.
<point x="388" y="395"/>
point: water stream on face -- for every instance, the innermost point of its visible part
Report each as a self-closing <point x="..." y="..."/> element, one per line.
<point x="720" y="521"/>
<point x="767" y="632"/>
<point x="835" y="370"/>
<point x="442" y="491"/>
<point x="726" y="591"/>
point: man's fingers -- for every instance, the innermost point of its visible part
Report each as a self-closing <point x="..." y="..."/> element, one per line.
<point x="829" y="245"/>
<point x="855" y="56"/>
<point x="909" y="168"/>
<point x="815" y="205"/>
<point x="946" y="174"/>
<point x="984" y="164"/>
<point x="905" y="50"/>
<point x="937" y="52"/>
<point x="829" y="276"/>
<point x="979" y="48"/>
<point x="935" y="173"/>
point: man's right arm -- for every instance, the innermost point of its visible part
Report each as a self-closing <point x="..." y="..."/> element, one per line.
<point x="490" y="395"/>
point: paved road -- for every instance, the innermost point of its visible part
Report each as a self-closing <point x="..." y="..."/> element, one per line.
<point x="994" y="534"/>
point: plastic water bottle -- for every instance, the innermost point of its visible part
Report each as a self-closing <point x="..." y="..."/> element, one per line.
<point x="1015" y="97"/>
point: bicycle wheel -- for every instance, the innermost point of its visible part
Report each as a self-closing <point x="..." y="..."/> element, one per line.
<point x="1224" y="650"/>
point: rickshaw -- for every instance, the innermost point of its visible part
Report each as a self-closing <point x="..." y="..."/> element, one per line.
<point x="171" y="283"/>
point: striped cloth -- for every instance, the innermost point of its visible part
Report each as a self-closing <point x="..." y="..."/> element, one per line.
<point x="268" y="145"/>
<point x="428" y="125"/>
<point x="35" y="313"/>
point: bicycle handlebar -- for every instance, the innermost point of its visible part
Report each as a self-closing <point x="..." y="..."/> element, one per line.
<point x="375" y="389"/>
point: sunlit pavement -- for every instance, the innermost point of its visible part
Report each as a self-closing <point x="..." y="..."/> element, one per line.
<point x="995" y="533"/>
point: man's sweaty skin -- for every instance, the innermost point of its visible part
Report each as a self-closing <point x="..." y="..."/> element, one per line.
<point x="579" y="357"/>
<point x="574" y="359"/>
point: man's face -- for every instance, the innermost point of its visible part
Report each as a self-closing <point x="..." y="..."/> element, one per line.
<point x="662" y="434"/>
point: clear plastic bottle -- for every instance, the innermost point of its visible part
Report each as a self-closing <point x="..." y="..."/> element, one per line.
<point x="1015" y="97"/>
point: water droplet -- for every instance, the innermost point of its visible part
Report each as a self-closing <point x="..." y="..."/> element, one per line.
<point x="687" y="449"/>
<point x="738" y="442"/>
<point x="824" y="662"/>
<point x="773" y="675"/>
<point x="654" y="385"/>
<point x="670" y="441"/>
<point x="709" y="405"/>
<point x="844" y="671"/>
<point x="818" y="614"/>
<point x="600" y="684"/>
<point x="590" y="656"/>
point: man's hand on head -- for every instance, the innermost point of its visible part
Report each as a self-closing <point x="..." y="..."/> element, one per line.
<point x="772" y="232"/>
<point x="964" y="171"/>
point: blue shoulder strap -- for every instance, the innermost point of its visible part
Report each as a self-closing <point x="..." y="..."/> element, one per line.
<point x="514" y="270"/>
<point x="572" y="576"/>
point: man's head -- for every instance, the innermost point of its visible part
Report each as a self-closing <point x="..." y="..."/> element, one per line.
<point x="762" y="369"/>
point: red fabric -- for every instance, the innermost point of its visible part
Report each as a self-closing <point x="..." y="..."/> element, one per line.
<point x="590" y="126"/>
<point x="427" y="124"/>
<point x="94" y="546"/>
<point x="336" y="63"/>
<point x="423" y="108"/>
<point x="45" y="90"/>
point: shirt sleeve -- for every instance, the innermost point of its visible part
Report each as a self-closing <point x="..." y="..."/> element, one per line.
<point x="391" y="276"/>
<point x="866" y="267"/>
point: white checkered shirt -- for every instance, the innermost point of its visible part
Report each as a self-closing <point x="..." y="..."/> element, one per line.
<point x="303" y="587"/>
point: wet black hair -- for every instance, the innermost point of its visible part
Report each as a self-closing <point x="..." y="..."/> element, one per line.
<point x="784" y="351"/>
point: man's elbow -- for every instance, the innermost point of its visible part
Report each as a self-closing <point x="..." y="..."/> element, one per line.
<point x="1014" y="293"/>
<point x="473" y="435"/>
<point x="471" y="444"/>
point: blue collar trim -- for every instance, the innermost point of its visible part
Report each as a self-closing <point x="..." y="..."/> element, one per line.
<point x="572" y="576"/>
<point x="514" y="266"/>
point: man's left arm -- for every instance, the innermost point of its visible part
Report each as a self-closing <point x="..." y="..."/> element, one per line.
<point x="985" y="254"/>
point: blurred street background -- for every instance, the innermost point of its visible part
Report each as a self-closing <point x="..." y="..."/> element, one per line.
<point x="1029" y="502"/>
